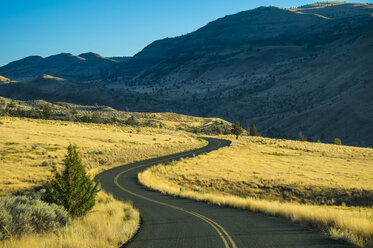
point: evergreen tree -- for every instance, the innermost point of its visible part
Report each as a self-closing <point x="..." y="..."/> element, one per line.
<point x="237" y="129"/>
<point x="253" y="130"/>
<point x="73" y="189"/>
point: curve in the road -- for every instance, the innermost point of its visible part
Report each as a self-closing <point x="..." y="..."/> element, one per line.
<point x="175" y="222"/>
<point x="219" y="229"/>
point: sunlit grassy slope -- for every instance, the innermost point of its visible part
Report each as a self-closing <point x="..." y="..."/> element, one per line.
<point x="168" y="120"/>
<point x="31" y="150"/>
<point x="326" y="186"/>
<point x="110" y="224"/>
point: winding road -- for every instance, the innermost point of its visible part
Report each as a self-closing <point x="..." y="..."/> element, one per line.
<point x="172" y="222"/>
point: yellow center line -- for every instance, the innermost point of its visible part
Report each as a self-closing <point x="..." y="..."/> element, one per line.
<point x="219" y="229"/>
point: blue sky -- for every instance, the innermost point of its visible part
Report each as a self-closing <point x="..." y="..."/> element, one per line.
<point x="108" y="27"/>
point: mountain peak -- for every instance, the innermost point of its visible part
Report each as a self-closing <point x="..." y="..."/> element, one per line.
<point x="95" y="56"/>
<point x="90" y="55"/>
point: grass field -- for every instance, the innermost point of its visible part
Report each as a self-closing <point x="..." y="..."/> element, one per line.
<point x="31" y="150"/>
<point x="109" y="224"/>
<point x="326" y="186"/>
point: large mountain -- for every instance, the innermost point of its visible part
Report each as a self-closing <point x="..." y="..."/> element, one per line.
<point x="306" y="69"/>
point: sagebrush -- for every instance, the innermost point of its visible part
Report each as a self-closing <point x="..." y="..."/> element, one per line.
<point x="21" y="215"/>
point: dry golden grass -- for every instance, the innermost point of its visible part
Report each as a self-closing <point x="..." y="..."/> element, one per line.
<point x="305" y="182"/>
<point x="111" y="223"/>
<point x="30" y="150"/>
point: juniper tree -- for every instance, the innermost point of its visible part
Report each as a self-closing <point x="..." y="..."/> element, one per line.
<point x="73" y="189"/>
<point x="253" y="131"/>
<point x="237" y="129"/>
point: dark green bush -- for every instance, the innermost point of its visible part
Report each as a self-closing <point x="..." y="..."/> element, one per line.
<point x="21" y="215"/>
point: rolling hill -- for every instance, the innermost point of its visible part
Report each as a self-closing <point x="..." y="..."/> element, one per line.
<point x="86" y="66"/>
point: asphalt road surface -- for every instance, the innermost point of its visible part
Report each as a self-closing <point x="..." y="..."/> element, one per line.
<point x="169" y="221"/>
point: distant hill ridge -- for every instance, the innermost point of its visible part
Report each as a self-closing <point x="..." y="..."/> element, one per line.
<point x="86" y="66"/>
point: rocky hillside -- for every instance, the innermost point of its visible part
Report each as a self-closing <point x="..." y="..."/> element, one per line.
<point x="286" y="70"/>
<point x="55" y="89"/>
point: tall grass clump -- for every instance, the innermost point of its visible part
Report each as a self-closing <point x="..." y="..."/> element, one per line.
<point x="20" y="215"/>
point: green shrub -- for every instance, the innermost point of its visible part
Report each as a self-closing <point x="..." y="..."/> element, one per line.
<point x="337" y="141"/>
<point x="21" y="215"/>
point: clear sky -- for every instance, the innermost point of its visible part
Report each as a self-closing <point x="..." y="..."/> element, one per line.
<point x="107" y="27"/>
